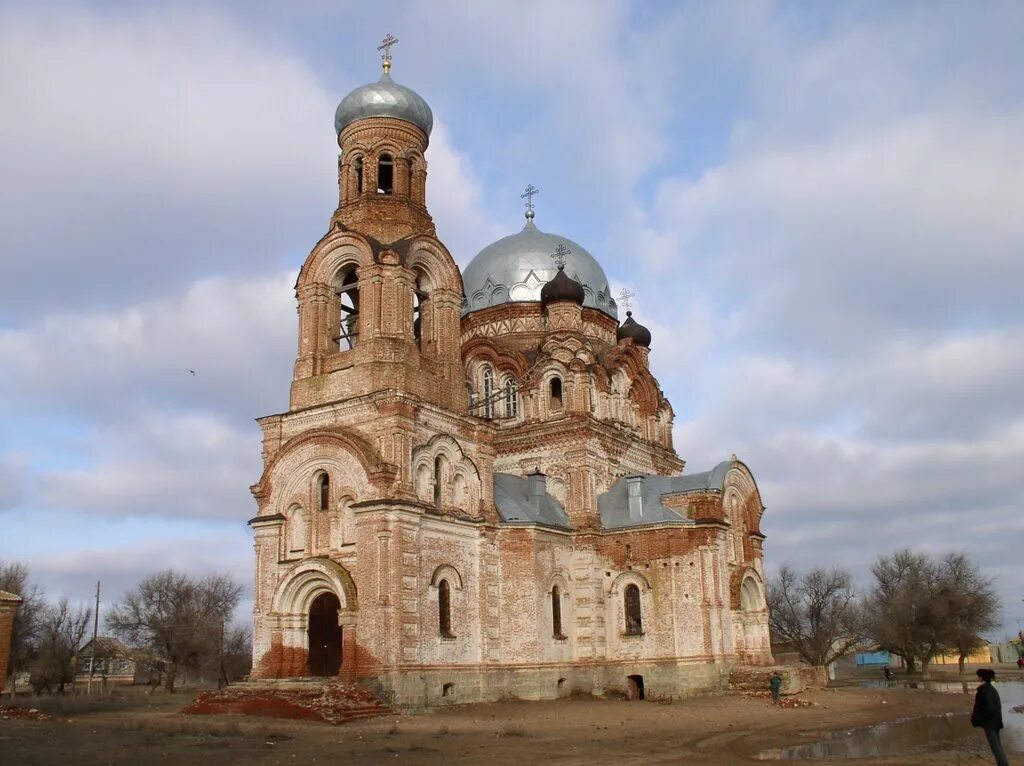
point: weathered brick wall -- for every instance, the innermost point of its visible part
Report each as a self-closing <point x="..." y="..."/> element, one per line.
<point x="8" y="606"/>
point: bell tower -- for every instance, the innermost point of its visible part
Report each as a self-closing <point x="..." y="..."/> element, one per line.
<point x="380" y="296"/>
<point x="383" y="131"/>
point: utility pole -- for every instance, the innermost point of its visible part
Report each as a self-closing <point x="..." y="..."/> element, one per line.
<point x="221" y="675"/>
<point x="95" y="631"/>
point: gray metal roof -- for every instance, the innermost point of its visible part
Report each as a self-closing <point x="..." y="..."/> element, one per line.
<point x="515" y="268"/>
<point x="384" y="98"/>
<point x="512" y="496"/>
<point x="614" y="505"/>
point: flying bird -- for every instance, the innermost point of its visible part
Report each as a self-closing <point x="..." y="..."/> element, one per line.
<point x="192" y="372"/>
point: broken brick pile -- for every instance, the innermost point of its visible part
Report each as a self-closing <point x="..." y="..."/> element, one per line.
<point x="786" y="702"/>
<point x="8" y="712"/>
<point x="334" y="702"/>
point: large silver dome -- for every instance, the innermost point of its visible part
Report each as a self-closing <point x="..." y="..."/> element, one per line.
<point x="514" y="269"/>
<point x="384" y="98"/>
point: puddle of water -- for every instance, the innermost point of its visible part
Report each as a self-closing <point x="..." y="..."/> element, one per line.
<point x="892" y="738"/>
<point x="908" y="735"/>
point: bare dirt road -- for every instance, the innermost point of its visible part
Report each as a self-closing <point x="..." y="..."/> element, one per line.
<point x="721" y="729"/>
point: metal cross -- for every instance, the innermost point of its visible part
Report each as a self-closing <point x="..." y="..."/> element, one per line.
<point x="528" y="195"/>
<point x="559" y="255"/>
<point x="386" y="47"/>
<point x="625" y="298"/>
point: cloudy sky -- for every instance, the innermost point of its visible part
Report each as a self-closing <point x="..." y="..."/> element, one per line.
<point x="819" y="206"/>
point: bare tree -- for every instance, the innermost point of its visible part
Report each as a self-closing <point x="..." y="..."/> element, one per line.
<point x="899" y="605"/>
<point x="973" y="607"/>
<point x="179" y="617"/>
<point x="61" y="630"/>
<point x="817" y="613"/>
<point x="921" y="607"/>
<point x="25" y="630"/>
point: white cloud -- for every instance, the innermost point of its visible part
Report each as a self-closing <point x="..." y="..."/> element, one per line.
<point x="12" y="470"/>
<point x="455" y="199"/>
<point x="169" y="464"/>
<point x="145" y="149"/>
<point x="238" y="335"/>
<point x="142" y="149"/>
<point x="120" y="567"/>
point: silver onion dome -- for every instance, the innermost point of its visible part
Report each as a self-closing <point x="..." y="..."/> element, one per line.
<point x="515" y="269"/>
<point x="384" y="98"/>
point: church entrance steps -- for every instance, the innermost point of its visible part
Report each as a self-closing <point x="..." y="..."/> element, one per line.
<point x="316" y="699"/>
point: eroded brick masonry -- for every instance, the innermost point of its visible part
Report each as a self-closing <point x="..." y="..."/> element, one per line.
<point x="474" y="492"/>
<point x="9" y="604"/>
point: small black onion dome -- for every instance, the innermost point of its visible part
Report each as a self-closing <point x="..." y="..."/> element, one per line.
<point x="562" y="288"/>
<point x="639" y="334"/>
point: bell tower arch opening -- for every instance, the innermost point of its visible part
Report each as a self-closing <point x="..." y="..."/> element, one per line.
<point x="324" y="635"/>
<point x="346" y="289"/>
<point x="385" y="174"/>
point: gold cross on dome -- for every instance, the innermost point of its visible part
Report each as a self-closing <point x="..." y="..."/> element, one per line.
<point x="385" y="46"/>
<point x="625" y="298"/>
<point x="559" y="255"/>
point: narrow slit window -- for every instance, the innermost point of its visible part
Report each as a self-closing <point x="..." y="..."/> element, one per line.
<point x="444" y="609"/>
<point x="359" y="175"/>
<point x="556" y="393"/>
<point x="511" y="398"/>
<point x="488" y="393"/>
<point x="325" y="491"/>
<point x="634" y="621"/>
<point x="556" y="613"/>
<point x="419" y="306"/>
<point x="385" y="175"/>
<point x="438" y="471"/>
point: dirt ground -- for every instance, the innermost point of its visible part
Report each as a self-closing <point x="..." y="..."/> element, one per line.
<point x="720" y="729"/>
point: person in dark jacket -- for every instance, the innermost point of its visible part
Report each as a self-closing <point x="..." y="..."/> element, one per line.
<point x="988" y="714"/>
<point x="775" y="684"/>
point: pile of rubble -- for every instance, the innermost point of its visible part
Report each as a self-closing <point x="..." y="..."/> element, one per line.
<point x="331" y="701"/>
<point x="787" y="702"/>
<point x="8" y="712"/>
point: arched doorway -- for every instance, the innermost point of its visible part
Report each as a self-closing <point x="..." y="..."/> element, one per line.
<point x="324" y="636"/>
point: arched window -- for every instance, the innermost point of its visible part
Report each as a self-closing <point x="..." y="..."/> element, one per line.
<point x="488" y="393"/>
<point x="556" y="393"/>
<point x="348" y="309"/>
<point x="631" y="601"/>
<point x="359" y="174"/>
<point x="556" y="613"/>
<point x="324" y="486"/>
<point x="438" y="477"/>
<point x="385" y="175"/>
<point x="444" y="609"/>
<point x="511" y="398"/>
<point x="750" y="596"/>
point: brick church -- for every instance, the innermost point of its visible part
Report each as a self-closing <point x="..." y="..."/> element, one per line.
<point x="473" y="493"/>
